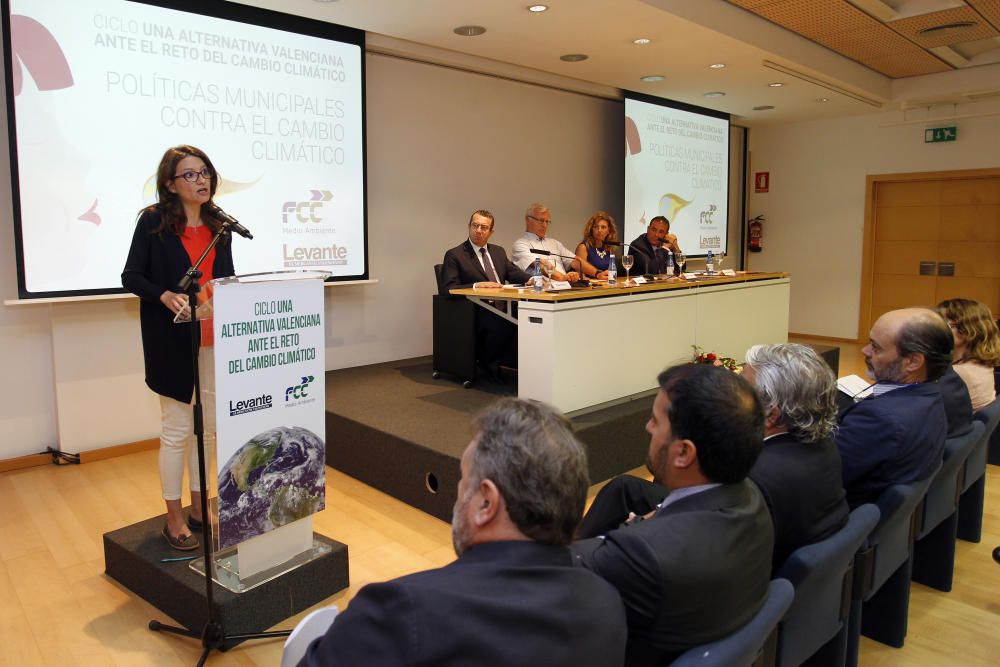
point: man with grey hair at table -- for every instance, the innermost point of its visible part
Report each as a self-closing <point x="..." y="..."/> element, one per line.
<point x="798" y="471"/>
<point x="513" y="597"/>
<point x="558" y="262"/>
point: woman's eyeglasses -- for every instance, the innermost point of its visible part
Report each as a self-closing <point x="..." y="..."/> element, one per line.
<point x="191" y="176"/>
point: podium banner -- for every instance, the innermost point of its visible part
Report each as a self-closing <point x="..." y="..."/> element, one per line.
<point x="270" y="404"/>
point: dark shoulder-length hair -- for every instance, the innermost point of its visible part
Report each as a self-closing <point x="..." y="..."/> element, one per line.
<point x="172" y="217"/>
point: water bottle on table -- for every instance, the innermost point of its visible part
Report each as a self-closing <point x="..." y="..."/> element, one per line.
<point x="612" y="271"/>
<point x="670" y="263"/>
<point x="537" y="281"/>
<point x="709" y="263"/>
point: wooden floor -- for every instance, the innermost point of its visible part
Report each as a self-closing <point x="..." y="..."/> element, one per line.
<point x="58" y="608"/>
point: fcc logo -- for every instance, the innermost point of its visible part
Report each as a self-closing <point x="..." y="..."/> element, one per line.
<point x="305" y="212"/>
<point x="297" y="392"/>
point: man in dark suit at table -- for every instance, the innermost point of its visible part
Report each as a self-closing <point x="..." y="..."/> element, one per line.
<point x="897" y="434"/>
<point x="513" y="597"/>
<point x="650" y="249"/>
<point x="697" y="566"/>
<point x="478" y="264"/>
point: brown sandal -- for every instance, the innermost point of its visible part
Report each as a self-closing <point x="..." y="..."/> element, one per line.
<point x="181" y="543"/>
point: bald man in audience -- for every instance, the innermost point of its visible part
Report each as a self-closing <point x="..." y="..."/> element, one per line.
<point x="697" y="565"/>
<point x="897" y="434"/>
<point x="513" y="597"/>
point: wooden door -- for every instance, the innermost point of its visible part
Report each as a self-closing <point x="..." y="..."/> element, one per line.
<point x="934" y="239"/>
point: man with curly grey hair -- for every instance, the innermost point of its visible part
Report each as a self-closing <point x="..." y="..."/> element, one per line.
<point x="512" y="597"/>
<point x="798" y="471"/>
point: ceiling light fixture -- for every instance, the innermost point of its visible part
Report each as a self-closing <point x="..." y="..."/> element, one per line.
<point x="717" y="66"/>
<point x="714" y="93"/>
<point x="652" y="78"/>
<point x="537" y="9"/>
<point x="574" y="57"/>
<point x="469" y="30"/>
<point x="776" y="84"/>
<point x="821" y="83"/>
<point x="765" y="107"/>
<point x="642" y="41"/>
<point x="823" y="99"/>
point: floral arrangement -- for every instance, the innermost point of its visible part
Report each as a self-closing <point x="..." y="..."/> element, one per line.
<point x="702" y="357"/>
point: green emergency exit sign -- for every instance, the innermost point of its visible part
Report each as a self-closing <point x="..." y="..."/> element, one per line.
<point x="936" y="134"/>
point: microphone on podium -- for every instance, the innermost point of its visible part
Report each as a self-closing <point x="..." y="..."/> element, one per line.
<point x="229" y="221"/>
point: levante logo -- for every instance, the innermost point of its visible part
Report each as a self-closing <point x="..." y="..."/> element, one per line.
<point x="262" y="402"/>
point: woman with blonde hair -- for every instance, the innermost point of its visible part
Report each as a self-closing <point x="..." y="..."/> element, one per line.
<point x="592" y="252"/>
<point x="977" y="347"/>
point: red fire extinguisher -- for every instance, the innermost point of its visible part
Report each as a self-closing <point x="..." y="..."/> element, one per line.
<point x="755" y="233"/>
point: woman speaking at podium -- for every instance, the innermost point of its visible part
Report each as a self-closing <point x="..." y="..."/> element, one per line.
<point x="170" y="236"/>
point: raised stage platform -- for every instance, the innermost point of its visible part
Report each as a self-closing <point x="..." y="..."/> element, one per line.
<point x="394" y="427"/>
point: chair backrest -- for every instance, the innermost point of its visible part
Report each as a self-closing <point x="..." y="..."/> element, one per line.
<point x="891" y="543"/>
<point x="312" y="627"/>
<point x="943" y="493"/>
<point x="438" y="270"/>
<point x="975" y="466"/>
<point x="741" y="648"/>
<point x="823" y="577"/>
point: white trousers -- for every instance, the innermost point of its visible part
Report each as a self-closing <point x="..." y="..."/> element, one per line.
<point x="177" y="432"/>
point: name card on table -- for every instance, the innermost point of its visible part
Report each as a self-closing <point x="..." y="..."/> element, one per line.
<point x="640" y="280"/>
<point x="555" y="285"/>
<point x="690" y="276"/>
<point x="728" y="272"/>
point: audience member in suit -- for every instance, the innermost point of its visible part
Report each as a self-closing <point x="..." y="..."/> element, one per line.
<point x="482" y="265"/>
<point x="650" y="249"/>
<point x="897" y="434"/>
<point x="798" y="470"/>
<point x="513" y="597"/>
<point x="695" y="567"/>
<point x="977" y="347"/>
<point x="957" y="402"/>
<point x="561" y="264"/>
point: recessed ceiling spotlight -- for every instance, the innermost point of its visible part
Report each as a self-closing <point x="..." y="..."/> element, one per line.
<point x="642" y="41"/>
<point x="776" y="84"/>
<point x="652" y="78"/>
<point x="715" y="93"/>
<point x="469" y="30"/>
<point x="574" y="57"/>
<point x="537" y="9"/>
<point x="822" y="99"/>
<point x="717" y="66"/>
<point x="766" y="107"/>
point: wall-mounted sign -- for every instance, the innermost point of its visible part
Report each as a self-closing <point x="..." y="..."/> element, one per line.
<point x="761" y="181"/>
<point x="933" y="135"/>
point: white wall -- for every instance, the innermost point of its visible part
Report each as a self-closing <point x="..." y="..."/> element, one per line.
<point x="441" y="143"/>
<point x="815" y="207"/>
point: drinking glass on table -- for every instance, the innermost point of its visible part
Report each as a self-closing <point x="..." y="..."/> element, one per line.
<point x="681" y="261"/>
<point x="627" y="262"/>
<point x="719" y="258"/>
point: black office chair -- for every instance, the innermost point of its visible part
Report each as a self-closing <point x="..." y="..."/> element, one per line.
<point x="881" y="600"/>
<point x="454" y="335"/>
<point x="934" y="551"/>
<point x="970" y="505"/>
<point x="751" y="645"/>
<point x="815" y="627"/>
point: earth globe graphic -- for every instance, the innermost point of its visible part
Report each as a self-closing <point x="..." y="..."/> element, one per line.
<point x="275" y="478"/>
